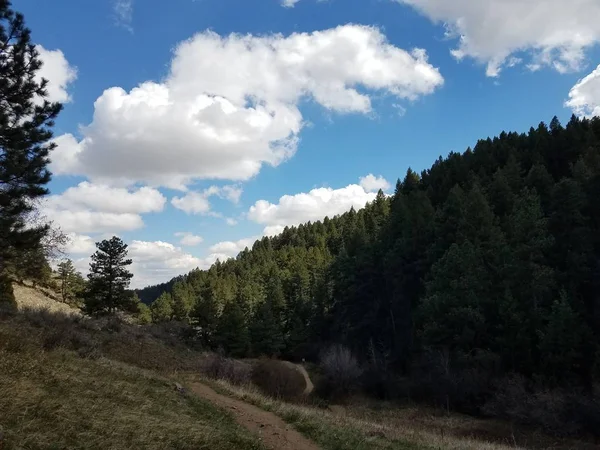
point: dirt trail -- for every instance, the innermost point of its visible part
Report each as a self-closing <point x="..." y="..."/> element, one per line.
<point x="273" y="431"/>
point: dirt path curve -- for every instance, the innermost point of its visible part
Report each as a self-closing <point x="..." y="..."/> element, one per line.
<point x="273" y="431"/>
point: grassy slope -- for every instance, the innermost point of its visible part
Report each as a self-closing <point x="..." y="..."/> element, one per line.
<point x="56" y="400"/>
<point x="66" y="382"/>
<point x="353" y="430"/>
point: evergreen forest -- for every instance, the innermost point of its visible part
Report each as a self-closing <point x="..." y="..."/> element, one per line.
<point x="482" y="268"/>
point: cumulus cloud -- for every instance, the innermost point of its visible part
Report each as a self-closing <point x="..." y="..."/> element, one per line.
<point x="192" y="203"/>
<point x="584" y="98"/>
<point x="230" y="104"/>
<point x="371" y="183"/>
<point x="156" y="262"/>
<point x="85" y="221"/>
<point x="189" y="239"/>
<point x="59" y="73"/>
<point x="78" y="244"/>
<point x="109" y="199"/>
<point x="94" y="208"/>
<point x="314" y="205"/>
<point x="195" y="202"/>
<point x="232" y="248"/>
<point x="556" y="33"/>
<point x="231" y="221"/>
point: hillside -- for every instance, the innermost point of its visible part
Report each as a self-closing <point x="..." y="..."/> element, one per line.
<point x="475" y="280"/>
<point x="72" y="382"/>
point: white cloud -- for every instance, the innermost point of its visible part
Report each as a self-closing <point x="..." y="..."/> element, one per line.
<point x="231" y="193"/>
<point x="189" y="239"/>
<point x="289" y="3"/>
<point x="274" y="230"/>
<point x="192" y="203"/>
<point x="85" y="221"/>
<point x="584" y="98"/>
<point x="64" y="159"/>
<point x="94" y="208"/>
<point x="153" y="262"/>
<point x="157" y="262"/>
<point x="230" y="104"/>
<point x="231" y="221"/>
<point x="371" y="183"/>
<point x="124" y="13"/>
<point x="195" y="202"/>
<point x="108" y="199"/>
<point x="59" y="73"/>
<point x="232" y="248"/>
<point x="557" y="33"/>
<point x="80" y="244"/>
<point x="314" y="205"/>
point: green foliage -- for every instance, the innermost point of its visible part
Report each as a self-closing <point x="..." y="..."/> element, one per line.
<point x="26" y="119"/>
<point x="144" y="314"/>
<point x="182" y="301"/>
<point x="72" y="284"/>
<point x="161" y="309"/>
<point x="454" y="276"/>
<point x="108" y="278"/>
<point x="232" y="331"/>
<point x="562" y="341"/>
<point x="265" y="331"/>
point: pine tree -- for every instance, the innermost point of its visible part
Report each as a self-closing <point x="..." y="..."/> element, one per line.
<point x="66" y="272"/>
<point x="265" y="331"/>
<point x="182" y="301"/>
<point x="108" y="278"/>
<point x="26" y="119"/>
<point x="162" y="308"/>
<point x="143" y="314"/>
<point x="206" y="316"/>
<point x="562" y="341"/>
<point x="232" y="331"/>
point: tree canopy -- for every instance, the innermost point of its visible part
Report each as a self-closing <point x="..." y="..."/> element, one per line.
<point x="490" y="252"/>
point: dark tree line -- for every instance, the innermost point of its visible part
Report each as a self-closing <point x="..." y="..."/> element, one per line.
<point x="487" y="261"/>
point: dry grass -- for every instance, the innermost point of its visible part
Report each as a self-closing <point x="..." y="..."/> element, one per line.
<point x="34" y="299"/>
<point x="378" y="425"/>
<point x="56" y="399"/>
<point x="362" y="427"/>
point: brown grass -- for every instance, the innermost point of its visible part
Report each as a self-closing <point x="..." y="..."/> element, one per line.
<point x="35" y="299"/>
<point x="56" y="399"/>
<point x="379" y="425"/>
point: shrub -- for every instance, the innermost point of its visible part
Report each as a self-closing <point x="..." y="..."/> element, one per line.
<point x="341" y="373"/>
<point x="221" y="368"/>
<point x="557" y="411"/>
<point x="383" y="384"/>
<point x="455" y="382"/>
<point x="278" y="379"/>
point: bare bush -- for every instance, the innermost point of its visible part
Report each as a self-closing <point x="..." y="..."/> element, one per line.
<point x="341" y="373"/>
<point x="221" y="368"/>
<point x="278" y="379"/>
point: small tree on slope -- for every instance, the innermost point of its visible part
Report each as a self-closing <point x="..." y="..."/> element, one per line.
<point x="108" y="278"/>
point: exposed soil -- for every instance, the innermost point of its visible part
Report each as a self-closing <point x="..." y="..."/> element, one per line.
<point x="272" y="430"/>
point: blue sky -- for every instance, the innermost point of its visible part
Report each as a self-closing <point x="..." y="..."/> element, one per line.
<point x="175" y="130"/>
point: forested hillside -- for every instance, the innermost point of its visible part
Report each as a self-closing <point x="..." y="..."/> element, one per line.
<point x="484" y="265"/>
